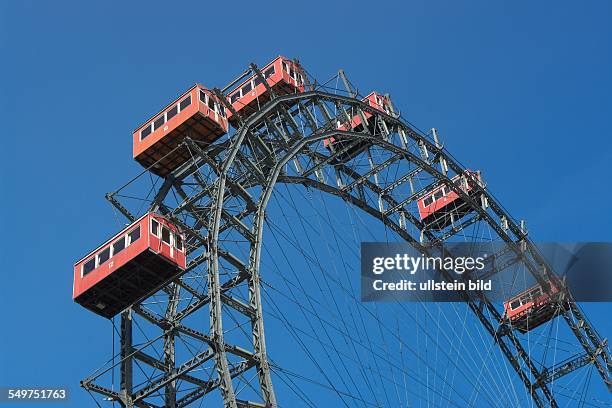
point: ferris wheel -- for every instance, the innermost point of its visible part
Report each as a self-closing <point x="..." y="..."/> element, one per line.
<point x="249" y="216"/>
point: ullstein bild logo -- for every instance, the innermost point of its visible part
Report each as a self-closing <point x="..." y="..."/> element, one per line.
<point x="395" y="271"/>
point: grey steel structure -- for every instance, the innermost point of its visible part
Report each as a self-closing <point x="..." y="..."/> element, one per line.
<point x="219" y="199"/>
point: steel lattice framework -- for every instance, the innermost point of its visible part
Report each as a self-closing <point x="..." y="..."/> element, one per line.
<point x="219" y="199"/>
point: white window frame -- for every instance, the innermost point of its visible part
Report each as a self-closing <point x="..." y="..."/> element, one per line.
<point x="178" y="104"/>
<point x="263" y="73"/>
<point x="250" y="82"/>
<point x="128" y="238"/>
<point x="215" y="104"/>
<point x="98" y="263"/>
<point x="163" y="115"/>
<point x="94" y="268"/>
<point x="162" y="234"/>
<point x="112" y="245"/>
<point x="158" y="227"/>
<point x="173" y="239"/>
<point x="169" y="109"/>
<point x="150" y="126"/>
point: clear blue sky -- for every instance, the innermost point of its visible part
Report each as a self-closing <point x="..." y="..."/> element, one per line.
<point x="521" y="90"/>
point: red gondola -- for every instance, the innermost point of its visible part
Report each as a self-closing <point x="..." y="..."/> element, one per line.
<point x="197" y="113"/>
<point x="376" y="101"/>
<point x="534" y="307"/>
<point x="438" y="207"/>
<point x="282" y="75"/>
<point x="130" y="266"/>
